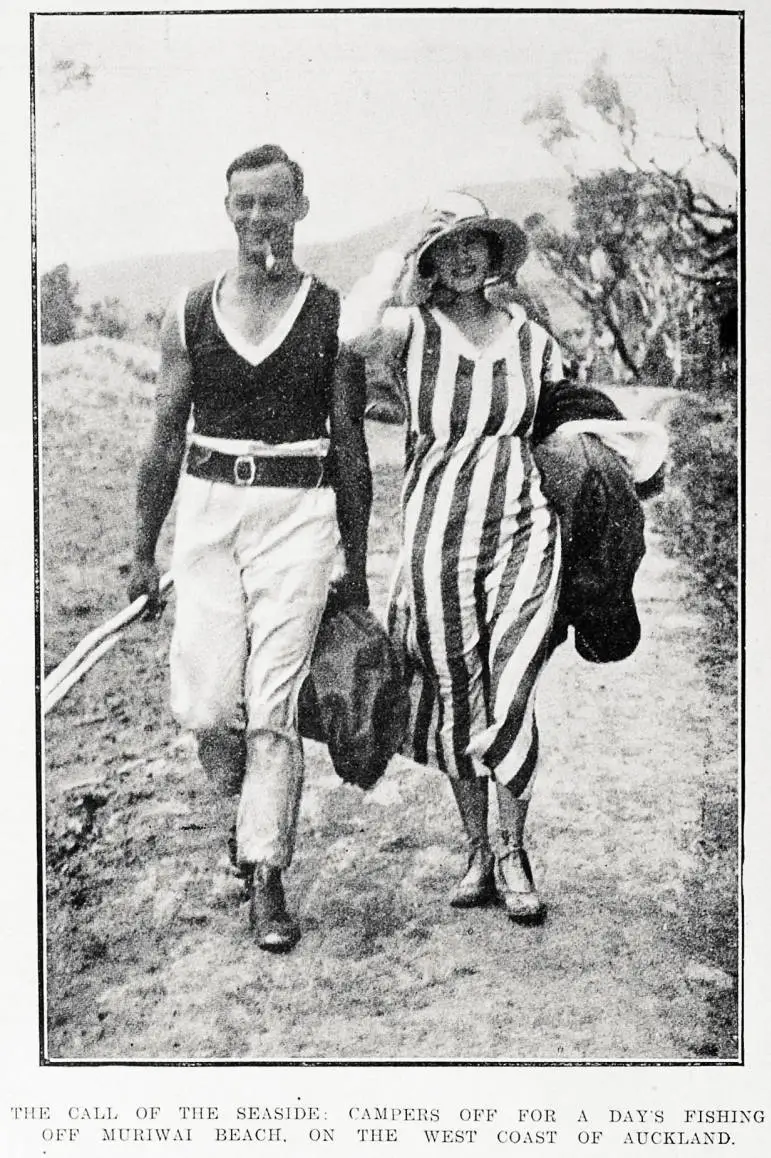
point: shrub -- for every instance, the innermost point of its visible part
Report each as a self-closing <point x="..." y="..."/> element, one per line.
<point x="699" y="511"/>
<point x="106" y="318"/>
<point x="59" y="311"/>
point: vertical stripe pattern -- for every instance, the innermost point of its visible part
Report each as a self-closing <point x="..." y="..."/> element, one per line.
<point x="475" y="597"/>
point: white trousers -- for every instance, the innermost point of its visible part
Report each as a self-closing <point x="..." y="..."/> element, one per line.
<point x="252" y="568"/>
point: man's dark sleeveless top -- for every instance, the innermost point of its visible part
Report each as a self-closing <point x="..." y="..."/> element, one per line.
<point x="286" y="397"/>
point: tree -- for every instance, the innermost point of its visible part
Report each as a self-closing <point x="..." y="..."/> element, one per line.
<point x="59" y="311"/>
<point x="651" y="259"/>
<point x="60" y="85"/>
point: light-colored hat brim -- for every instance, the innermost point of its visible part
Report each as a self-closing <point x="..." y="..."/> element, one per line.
<point x="514" y="244"/>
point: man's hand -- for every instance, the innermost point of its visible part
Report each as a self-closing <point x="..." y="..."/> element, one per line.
<point x="145" y="580"/>
<point x="348" y="591"/>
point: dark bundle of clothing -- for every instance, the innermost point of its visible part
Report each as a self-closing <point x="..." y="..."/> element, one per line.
<point x="354" y="700"/>
<point x="602" y="525"/>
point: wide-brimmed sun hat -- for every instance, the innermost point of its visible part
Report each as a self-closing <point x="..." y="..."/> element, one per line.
<point x="454" y="213"/>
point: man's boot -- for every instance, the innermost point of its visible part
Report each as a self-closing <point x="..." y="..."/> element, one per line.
<point x="236" y="867"/>
<point x="477" y="885"/>
<point x="274" y="929"/>
<point x="513" y="875"/>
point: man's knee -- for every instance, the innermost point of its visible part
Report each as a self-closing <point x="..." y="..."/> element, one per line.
<point x="268" y="741"/>
<point x="207" y="691"/>
<point x="206" y="713"/>
<point x="222" y="752"/>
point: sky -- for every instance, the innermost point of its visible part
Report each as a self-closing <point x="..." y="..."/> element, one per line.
<point x="381" y="109"/>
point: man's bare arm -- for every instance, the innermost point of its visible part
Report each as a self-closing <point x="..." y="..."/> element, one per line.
<point x="351" y="472"/>
<point x="162" y="461"/>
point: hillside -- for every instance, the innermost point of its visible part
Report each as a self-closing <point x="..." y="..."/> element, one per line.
<point x="147" y="283"/>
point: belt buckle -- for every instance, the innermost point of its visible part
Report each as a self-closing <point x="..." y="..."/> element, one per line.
<point x="240" y="479"/>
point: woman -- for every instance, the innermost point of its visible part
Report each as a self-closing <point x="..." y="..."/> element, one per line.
<point x="476" y="591"/>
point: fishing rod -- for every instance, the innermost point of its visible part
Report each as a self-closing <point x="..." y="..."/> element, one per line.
<point x="91" y="649"/>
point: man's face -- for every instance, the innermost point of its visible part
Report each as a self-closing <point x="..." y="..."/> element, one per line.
<point x="264" y="206"/>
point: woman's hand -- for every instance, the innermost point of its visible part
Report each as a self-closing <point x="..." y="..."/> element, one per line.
<point x="415" y="234"/>
<point x="414" y="289"/>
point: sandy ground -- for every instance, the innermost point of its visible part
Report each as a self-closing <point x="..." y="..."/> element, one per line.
<point x="632" y="837"/>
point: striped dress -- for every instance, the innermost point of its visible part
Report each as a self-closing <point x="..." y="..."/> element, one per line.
<point x="474" y="596"/>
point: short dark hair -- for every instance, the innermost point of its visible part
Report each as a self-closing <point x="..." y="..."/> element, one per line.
<point x="263" y="156"/>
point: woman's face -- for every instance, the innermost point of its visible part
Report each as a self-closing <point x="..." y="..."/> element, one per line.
<point x="462" y="262"/>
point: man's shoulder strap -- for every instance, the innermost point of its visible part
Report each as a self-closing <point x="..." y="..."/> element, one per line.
<point x="196" y="302"/>
<point x="327" y="299"/>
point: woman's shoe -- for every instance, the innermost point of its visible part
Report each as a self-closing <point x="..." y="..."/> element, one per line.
<point x="516" y="887"/>
<point x="477" y="885"/>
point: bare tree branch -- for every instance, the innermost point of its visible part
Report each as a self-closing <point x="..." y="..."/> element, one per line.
<point x="650" y="258"/>
<point x="720" y="148"/>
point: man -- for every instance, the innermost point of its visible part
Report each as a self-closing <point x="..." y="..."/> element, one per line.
<point x="276" y="474"/>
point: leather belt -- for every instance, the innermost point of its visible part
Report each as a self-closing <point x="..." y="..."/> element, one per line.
<point x="254" y="470"/>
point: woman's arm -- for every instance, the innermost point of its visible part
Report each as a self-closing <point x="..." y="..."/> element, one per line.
<point x="375" y="316"/>
<point x="370" y="320"/>
<point x="569" y="409"/>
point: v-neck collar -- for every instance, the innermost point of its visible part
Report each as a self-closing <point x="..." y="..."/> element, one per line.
<point x="517" y="317"/>
<point x="256" y="352"/>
